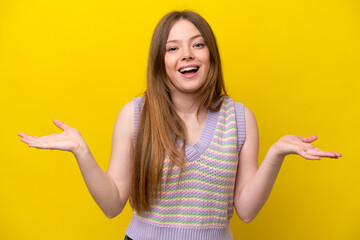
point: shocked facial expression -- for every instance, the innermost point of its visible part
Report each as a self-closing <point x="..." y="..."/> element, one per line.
<point x="187" y="57"/>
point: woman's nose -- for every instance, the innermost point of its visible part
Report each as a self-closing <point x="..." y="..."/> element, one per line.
<point x="187" y="54"/>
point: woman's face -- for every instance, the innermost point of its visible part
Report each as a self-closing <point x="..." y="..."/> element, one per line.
<point x="187" y="58"/>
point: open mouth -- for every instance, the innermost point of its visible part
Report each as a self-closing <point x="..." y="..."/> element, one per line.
<point x="188" y="70"/>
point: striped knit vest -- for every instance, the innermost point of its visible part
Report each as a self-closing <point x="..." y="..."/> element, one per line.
<point x="201" y="206"/>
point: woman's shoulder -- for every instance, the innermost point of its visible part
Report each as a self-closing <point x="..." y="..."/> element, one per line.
<point x="238" y="104"/>
<point x="240" y="107"/>
<point x="128" y="108"/>
<point x="249" y="114"/>
<point x="124" y="120"/>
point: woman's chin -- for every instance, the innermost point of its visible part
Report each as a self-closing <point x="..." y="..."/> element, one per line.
<point x="187" y="90"/>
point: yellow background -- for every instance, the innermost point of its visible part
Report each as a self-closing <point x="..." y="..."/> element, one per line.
<point x="294" y="63"/>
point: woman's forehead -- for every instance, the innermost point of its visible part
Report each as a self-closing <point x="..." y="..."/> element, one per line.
<point x="183" y="30"/>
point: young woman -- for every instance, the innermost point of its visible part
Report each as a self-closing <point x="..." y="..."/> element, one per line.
<point x="184" y="153"/>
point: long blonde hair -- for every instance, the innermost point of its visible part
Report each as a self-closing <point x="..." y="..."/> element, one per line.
<point x="160" y="127"/>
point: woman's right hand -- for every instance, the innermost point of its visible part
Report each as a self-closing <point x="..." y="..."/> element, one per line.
<point x="68" y="140"/>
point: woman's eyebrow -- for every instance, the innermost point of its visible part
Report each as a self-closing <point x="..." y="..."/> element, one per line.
<point x="193" y="37"/>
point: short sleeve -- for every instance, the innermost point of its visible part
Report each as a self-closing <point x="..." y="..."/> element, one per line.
<point x="240" y="124"/>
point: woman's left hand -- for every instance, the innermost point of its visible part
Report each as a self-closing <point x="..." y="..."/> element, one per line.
<point x="292" y="144"/>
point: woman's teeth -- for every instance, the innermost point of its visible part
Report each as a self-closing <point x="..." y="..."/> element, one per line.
<point x="194" y="69"/>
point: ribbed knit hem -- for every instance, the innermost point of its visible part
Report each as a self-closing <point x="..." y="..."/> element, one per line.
<point x="240" y="122"/>
<point x="138" y="105"/>
<point x="139" y="230"/>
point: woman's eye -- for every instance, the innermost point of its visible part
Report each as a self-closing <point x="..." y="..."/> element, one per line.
<point x="199" y="45"/>
<point x="171" y="49"/>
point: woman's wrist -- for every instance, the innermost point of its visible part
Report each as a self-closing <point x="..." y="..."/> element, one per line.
<point x="274" y="156"/>
<point x="81" y="150"/>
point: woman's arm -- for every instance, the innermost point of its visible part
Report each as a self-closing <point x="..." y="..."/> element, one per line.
<point x="110" y="190"/>
<point x="253" y="185"/>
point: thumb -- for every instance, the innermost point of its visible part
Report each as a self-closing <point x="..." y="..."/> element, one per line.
<point x="309" y="139"/>
<point x="60" y="124"/>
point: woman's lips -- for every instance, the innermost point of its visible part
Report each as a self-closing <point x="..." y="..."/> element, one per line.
<point x="189" y="74"/>
<point x="191" y="66"/>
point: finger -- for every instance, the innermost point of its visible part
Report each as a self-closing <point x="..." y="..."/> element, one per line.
<point x="309" y="156"/>
<point x="309" y="139"/>
<point x="327" y="152"/>
<point x="321" y="153"/>
<point x="60" y="124"/>
<point x="42" y="145"/>
<point x="43" y="142"/>
<point x="25" y="140"/>
<point x="337" y="154"/>
<point x="31" y="140"/>
<point x="27" y="137"/>
<point x="22" y="134"/>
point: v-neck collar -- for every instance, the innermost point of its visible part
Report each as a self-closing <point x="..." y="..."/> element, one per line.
<point x="193" y="152"/>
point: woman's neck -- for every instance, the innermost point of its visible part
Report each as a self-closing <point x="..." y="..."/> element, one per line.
<point x="186" y="105"/>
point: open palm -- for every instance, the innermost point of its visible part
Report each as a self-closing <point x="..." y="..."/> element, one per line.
<point x="292" y="144"/>
<point x="68" y="140"/>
